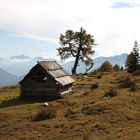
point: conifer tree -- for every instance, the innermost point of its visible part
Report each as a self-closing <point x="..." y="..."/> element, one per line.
<point x="78" y="45"/>
<point x="132" y="61"/>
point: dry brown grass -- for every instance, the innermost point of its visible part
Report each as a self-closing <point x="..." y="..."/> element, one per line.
<point x="79" y="116"/>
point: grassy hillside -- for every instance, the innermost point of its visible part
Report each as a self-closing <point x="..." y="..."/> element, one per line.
<point x="101" y="106"/>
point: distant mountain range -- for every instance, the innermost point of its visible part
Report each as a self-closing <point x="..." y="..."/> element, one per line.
<point x="20" y="57"/>
<point x="21" y="68"/>
<point x="7" y="78"/>
<point x="12" y="70"/>
<point x="118" y="59"/>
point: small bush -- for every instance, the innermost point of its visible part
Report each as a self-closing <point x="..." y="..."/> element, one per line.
<point x="99" y="76"/>
<point x="116" y="68"/>
<point x="126" y="83"/>
<point x="133" y="87"/>
<point x="44" y="114"/>
<point x="94" y="86"/>
<point x="106" y="67"/>
<point x="86" y="93"/>
<point x="112" y="92"/>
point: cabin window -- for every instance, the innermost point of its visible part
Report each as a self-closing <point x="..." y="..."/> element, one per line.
<point x="45" y="79"/>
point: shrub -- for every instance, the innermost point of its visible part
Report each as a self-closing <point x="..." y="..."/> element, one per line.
<point x="105" y="67"/>
<point x="133" y="87"/>
<point x="126" y="83"/>
<point x="112" y="92"/>
<point x="116" y="67"/>
<point x="86" y="93"/>
<point x="94" y="86"/>
<point x="44" y="114"/>
<point x="99" y="76"/>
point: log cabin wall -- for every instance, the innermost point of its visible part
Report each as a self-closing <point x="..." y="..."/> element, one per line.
<point x="39" y="83"/>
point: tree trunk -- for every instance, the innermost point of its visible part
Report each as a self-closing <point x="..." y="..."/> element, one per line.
<point x="89" y="68"/>
<point x="78" y="54"/>
<point x="76" y="62"/>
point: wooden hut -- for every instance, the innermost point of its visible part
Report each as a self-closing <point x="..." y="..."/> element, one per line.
<point x="47" y="78"/>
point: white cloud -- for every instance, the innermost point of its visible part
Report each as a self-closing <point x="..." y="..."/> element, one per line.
<point x="113" y="29"/>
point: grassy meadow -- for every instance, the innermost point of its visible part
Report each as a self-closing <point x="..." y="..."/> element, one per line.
<point x="102" y="106"/>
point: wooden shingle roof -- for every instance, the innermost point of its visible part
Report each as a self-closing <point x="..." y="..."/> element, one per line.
<point x="55" y="71"/>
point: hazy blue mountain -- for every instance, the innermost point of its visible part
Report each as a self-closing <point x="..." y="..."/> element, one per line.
<point x="21" y="68"/>
<point x="5" y="63"/>
<point x="7" y="78"/>
<point x="118" y="59"/>
<point x="20" y="57"/>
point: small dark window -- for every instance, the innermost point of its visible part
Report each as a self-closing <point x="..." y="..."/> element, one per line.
<point x="45" y="78"/>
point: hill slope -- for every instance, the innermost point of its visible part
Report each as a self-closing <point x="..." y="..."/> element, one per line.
<point x="81" y="115"/>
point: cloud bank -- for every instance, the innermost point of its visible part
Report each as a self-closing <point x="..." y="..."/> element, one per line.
<point x="114" y="24"/>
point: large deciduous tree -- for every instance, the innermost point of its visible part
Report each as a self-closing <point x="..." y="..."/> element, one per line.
<point x="132" y="61"/>
<point x="78" y="45"/>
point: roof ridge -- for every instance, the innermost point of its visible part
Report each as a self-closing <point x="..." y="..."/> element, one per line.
<point x="46" y="61"/>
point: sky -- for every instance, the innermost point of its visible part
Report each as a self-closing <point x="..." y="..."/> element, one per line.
<point x="33" y="27"/>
